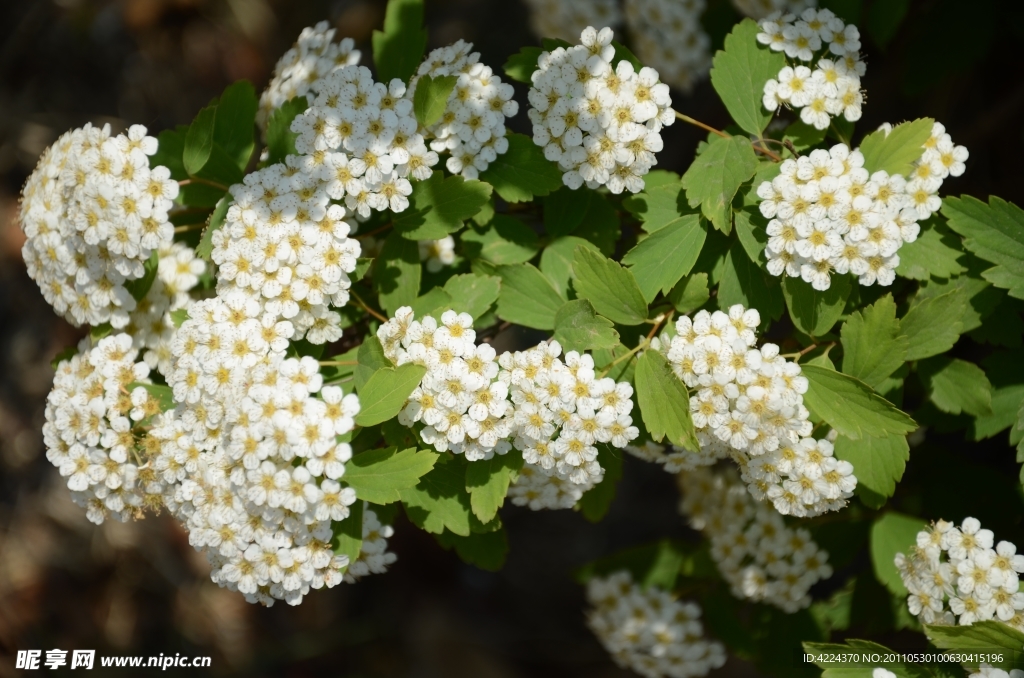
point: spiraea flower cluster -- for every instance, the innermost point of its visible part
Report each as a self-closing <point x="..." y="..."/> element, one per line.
<point x="374" y="557"/>
<point x="285" y="247"/>
<point x="955" y="576"/>
<point x="93" y="212"/>
<point x="748" y="405"/>
<point x="648" y="630"/>
<point x="300" y="71"/>
<point x="761" y="558"/>
<point x="472" y="128"/>
<point x="601" y="124"/>
<point x="825" y="68"/>
<point x="564" y="19"/>
<point x="669" y="36"/>
<point x="941" y="159"/>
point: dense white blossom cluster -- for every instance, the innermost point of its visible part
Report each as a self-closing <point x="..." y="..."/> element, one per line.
<point x="941" y="159"/>
<point x="668" y="35"/>
<point x="759" y="9"/>
<point x="825" y="68"/>
<point x="748" y="405"/>
<point x="301" y="70"/>
<point x="93" y="212"/>
<point x="955" y="576"/>
<point x="602" y="125"/>
<point x="374" y="557"/>
<point x="757" y="554"/>
<point x="648" y="631"/>
<point x="565" y="19"/>
<point x="472" y="128"/>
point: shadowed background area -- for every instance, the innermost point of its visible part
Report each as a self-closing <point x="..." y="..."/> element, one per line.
<point x="139" y="588"/>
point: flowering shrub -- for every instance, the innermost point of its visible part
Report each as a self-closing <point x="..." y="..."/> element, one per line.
<point x="294" y="308"/>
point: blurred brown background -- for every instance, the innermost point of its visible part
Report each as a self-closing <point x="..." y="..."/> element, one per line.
<point x="139" y="588"/>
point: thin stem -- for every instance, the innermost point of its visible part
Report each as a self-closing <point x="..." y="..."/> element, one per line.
<point x="190" y="227"/>
<point x="338" y="363"/>
<point x="796" y="356"/>
<point x="362" y="304"/>
<point x="199" y="180"/>
<point x="625" y="356"/>
<point x="709" y="128"/>
<point x="665" y="317"/>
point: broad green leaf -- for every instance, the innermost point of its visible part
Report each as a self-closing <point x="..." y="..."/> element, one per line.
<point x="979" y="298"/>
<point x="743" y="282"/>
<point x="751" y="229"/>
<point x="715" y="176"/>
<point x="564" y="210"/>
<point x="527" y="298"/>
<point x="235" y="124"/>
<point x="657" y="564"/>
<point x="893" y="533"/>
<point x="434" y="303"/>
<point x="850" y="406"/>
<point x="397" y="273"/>
<point x="850" y="660"/>
<point x="739" y="74"/>
<point x="487" y="482"/>
<point x="522" y="172"/>
<point x="179" y="316"/>
<point x="348" y="533"/>
<point x="1006" y="401"/>
<point x="984" y="637"/>
<point x="665" y="256"/>
<point x="140" y="287"/>
<point x="994" y="232"/>
<point x="398" y="49"/>
<point x="520" y="66"/>
<point x="664" y="402"/>
<point x="956" y="385"/>
<point x="813" y="312"/>
<point x="170" y="148"/>
<point x="933" y="325"/>
<point x="896" y="152"/>
<point x="162" y="394"/>
<point x="204" y="250"/>
<point x="884" y="19"/>
<point x="370" y="358"/>
<point x="439" y="206"/>
<point x="280" y="137"/>
<point x="579" y="328"/>
<point x="803" y="136"/>
<point x="440" y="501"/>
<point x="363" y="266"/>
<point x="658" y="206"/>
<point x="690" y="293"/>
<point x="431" y="97"/>
<point x="379" y="476"/>
<point x="878" y="463"/>
<point x="936" y="252"/>
<point x="199" y="140"/>
<point x="611" y="289"/>
<point x="623" y="53"/>
<point x="596" y="501"/>
<point x="473" y="293"/>
<point x="486" y="551"/>
<point x="556" y="261"/>
<point x="873" y="347"/>
<point x="384" y="395"/>
<point x="600" y="224"/>
<point x="503" y="240"/>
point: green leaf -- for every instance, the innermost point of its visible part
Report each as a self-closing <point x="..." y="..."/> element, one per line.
<point x="933" y="325"/>
<point x="235" y="124"/>
<point x="600" y="224"/>
<point x="564" y="210"/>
<point x="504" y="240"/>
<point x="440" y="501"/>
<point x="985" y="637"/>
<point x="486" y="551"/>
<point x="893" y="533"/>
<point x="873" y="347"/>
<point x="802" y="135"/>
<point x="850" y="406"/>
<point x="956" y="385"/>
<point x="435" y="302"/>
<point x="658" y="206"/>
<point x="380" y="476"/>
<point x="657" y="564"/>
<point x="370" y="358"/>
<point x="97" y="332"/>
<point x="739" y="74"/>
<point x="439" y="206"/>
<point x="473" y="293"/>
<point x="556" y="261"/>
<point x="527" y="298"/>
<point x="664" y="402"/>
<point x="813" y="312"/>
<point x="170" y="148"/>
<point x="878" y="463"/>
<point x="199" y="141"/>
<point x="384" y="395"/>
<point x="431" y="97"/>
<point x="162" y="394"/>
<point x="179" y="316"/>
<point x="896" y="152"/>
<point x="363" y="265"/>
<point x="522" y="172"/>
<point x="994" y="232"/>
<point x="936" y="252"/>
<point x="280" y="137"/>
<point x="690" y="293"/>
<point x="751" y="229"/>
<point x="743" y="282"/>
<point x="716" y="174"/>
<point x="665" y="256"/>
<point x="397" y="273"/>
<point x="612" y="289"/>
<point x="520" y="66"/>
<point x="623" y="53"/>
<point x="596" y="501"/>
<point x="579" y="328"/>
<point x="487" y="482"/>
<point x="348" y="533"/>
<point x="140" y="287"/>
<point x="884" y="19"/>
<point x="398" y="49"/>
<point x="204" y="250"/>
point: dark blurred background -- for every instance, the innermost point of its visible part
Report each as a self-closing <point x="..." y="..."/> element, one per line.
<point x="139" y="588"/>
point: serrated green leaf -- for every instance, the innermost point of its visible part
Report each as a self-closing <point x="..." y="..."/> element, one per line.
<point x="739" y="74"/>
<point x="751" y="230"/>
<point x="162" y="394"/>
<point x="896" y="152"/>
<point x="486" y="551"/>
<point x="384" y="394"/>
<point x="743" y="282"/>
<point x="893" y="533"/>
<point x="440" y="501"/>
<point x="199" y="141"/>
<point x="522" y="172"/>
<point x="690" y="293"/>
<point x="235" y="124"/>
<point x="140" y="287"/>
<point x="665" y="256"/>
<point x="850" y="406"/>
<point x="439" y="206"/>
<point x="564" y="210"/>
<point x="527" y="298"/>
<point x="716" y="174"/>
<point x="994" y="232"/>
<point x="878" y="463"/>
<point x="204" y="250"/>
<point x="813" y="312"/>
<point x="363" y="265"/>
<point x="280" y="137"/>
<point x="348" y="533"/>
<point x="520" y="66"/>
<point x="612" y="289"/>
<point x="487" y="482"/>
<point x="660" y="205"/>
<point x="873" y="347"/>
<point x="933" y="325"/>
<point x="664" y="402"/>
<point x="936" y="252"/>
<point x="579" y="328"/>
<point x="504" y="240"/>
<point x="956" y="385"/>
<point x="370" y="358"/>
<point x="397" y="273"/>
<point x="398" y="49"/>
<point x="380" y="476"/>
<point x="434" y="303"/>
<point x="431" y="97"/>
<point x="983" y="637"/>
<point x="556" y="261"/>
<point x="596" y="501"/>
<point x="473" y="293"/>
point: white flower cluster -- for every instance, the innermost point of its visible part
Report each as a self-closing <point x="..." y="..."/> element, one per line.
<point x="761" y="558"/>
<point x="301" y="70"/>
<point x="668" y="35"/>
<point x="602" y="125"/>
<point x="959" y="564"/>
<point x="359" y="138"/>
<point x="564" y="19"/>
<point x="437" y="253"/>
<point x="94" y="431"/>
<point x="941" y="159"/>
<point x="830" y="85"/>
<point x="749" y="406"/>
<point x="374" y="556"/>
<point x="759" y="9"/>
<point x="648" y="630"/>
<point x="285" y="247"/>
<point x="472" y="128"/>
<point x="93" y="211"/>
<point x="987" y="671"/>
